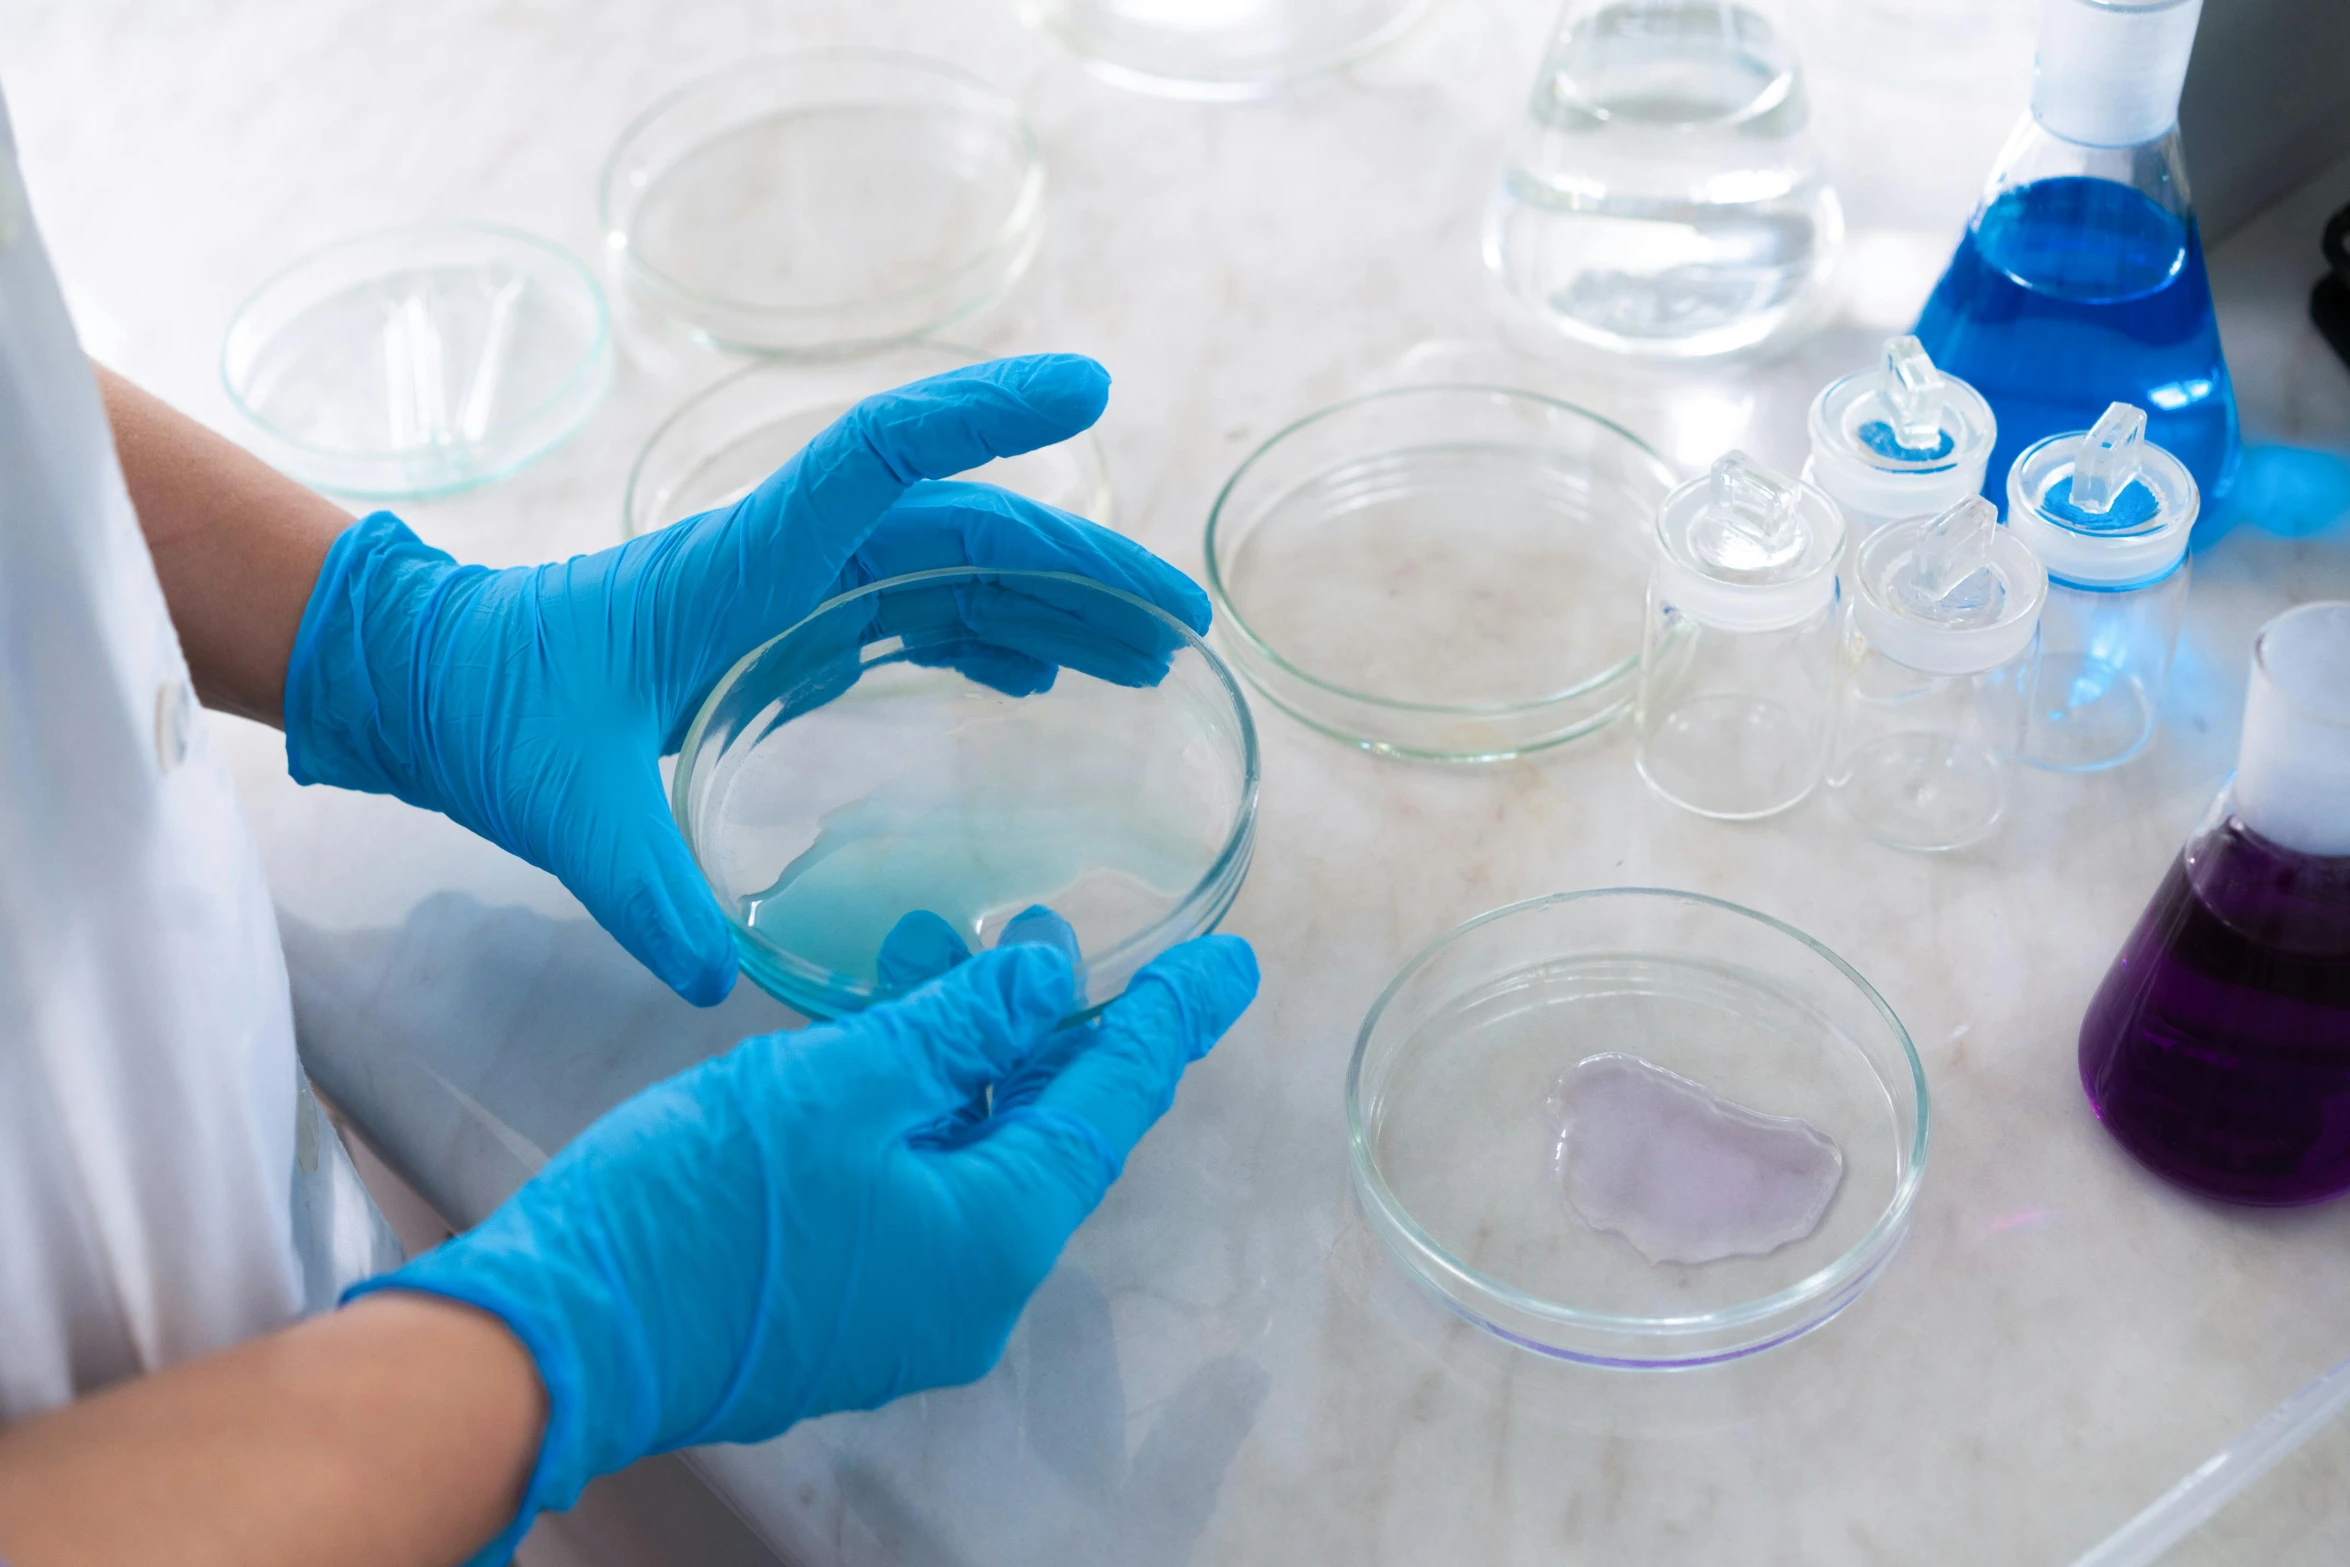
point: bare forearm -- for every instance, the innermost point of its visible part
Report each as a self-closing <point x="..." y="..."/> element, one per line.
<point x="237" y="544"/>
<point x="398" y="1432"/>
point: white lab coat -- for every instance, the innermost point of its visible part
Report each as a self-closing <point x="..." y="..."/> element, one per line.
<point x="167" y="1185"/>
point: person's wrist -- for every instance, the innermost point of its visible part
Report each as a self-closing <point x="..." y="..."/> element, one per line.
<point x="347" y="700"/>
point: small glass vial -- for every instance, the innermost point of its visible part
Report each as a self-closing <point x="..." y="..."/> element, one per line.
<point x="1900" y="439"/>
<point x="1738" y="655"/>
<point x="1940" y="644"/>
<point x="2109" y="517"/>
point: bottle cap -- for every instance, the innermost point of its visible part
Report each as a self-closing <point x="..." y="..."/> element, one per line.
<point x="2293" y="764"/>
<point x="1951" y="594"/>
<point x="1747" y="549"/>
<point x="2103" y="507"/>
<point x="2110" y="71"/>
<point x="1900" y="438"/>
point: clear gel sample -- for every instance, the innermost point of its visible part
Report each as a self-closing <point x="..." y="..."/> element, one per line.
<point x="1682" y="1173"/>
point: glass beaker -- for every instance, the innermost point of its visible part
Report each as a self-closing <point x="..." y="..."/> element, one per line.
<point x="2080" y="279"/>
<point x="2109" y="517"/>
<point x="1662" y="197"/>
<point x="1738" y="655"/>
<point x="1939" y="649"/>
<point x="2218" y="1048"/>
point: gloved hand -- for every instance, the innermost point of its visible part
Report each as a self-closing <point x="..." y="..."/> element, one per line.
<point x="814" y="1221"/>
<point x="533" y="704"/>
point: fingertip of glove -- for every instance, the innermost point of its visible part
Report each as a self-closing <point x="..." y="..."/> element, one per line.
<point x="1031" y="980"/>
<point x="1068" y="389"/>
<point x="1214" y="979"/>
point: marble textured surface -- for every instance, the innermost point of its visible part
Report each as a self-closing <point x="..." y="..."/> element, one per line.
<point x="1225" y="1368"/>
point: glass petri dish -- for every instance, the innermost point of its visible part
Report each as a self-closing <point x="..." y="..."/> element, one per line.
<point x="1452" y="573"/>
<point x="722" y="443"/>
<point x="1450" y="1142"/>
<point x="418" y="361"/>
<point x="824" y="202"/>
<point x="1220" y="49"/>
<point x="968" y="744"/>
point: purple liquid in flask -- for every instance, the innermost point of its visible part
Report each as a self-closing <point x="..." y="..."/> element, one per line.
<point x="2218" y="1048"/>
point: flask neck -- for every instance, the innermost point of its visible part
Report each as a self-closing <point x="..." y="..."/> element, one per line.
<point x="2155" y="169"/>
<point x="2293" y="764"/>
<point x="2110" y="71"/>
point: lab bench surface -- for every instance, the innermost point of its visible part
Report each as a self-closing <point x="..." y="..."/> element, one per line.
<point x="1225" y="1367"/>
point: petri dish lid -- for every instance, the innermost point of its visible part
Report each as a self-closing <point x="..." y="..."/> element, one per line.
<point x="1453" y="1152"/>
<point x="1448" y="572"/>
<point x="1220" y="49"/>
<point x="825" y="201"/>
<point x="1902" y="437"/>
<point x="2140" y="537"/>
<point x="1747" y="549"/>
<point x="717" y="447"/>
<point x="939" y="753"/>
<point x="418" y="361"/>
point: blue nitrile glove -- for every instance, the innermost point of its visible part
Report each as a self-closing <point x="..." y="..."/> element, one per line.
<point x="533" y="704"/>
<point x="809" y="1223"/>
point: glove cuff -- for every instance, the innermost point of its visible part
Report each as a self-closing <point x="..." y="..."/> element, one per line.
<point x="349" y="702"/>
<point x="596" y="1414"/>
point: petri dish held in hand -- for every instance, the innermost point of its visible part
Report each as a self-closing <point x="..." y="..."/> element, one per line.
<point x="909" y="772"/>
<point x="1454" y="573"/>
<point x="824" y="202"/>
<point x="418" y="361"/>
<point x="1757" y="1120"/>
<point x="718" y="447"/>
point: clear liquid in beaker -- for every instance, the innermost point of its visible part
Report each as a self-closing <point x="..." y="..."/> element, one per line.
<point x="1663" y="199"/>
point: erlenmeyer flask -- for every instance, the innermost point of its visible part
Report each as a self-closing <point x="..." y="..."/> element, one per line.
<point x="2080" y="280"/>
<point x="1662" y="197"/>
<point x="2218" y="1048"/>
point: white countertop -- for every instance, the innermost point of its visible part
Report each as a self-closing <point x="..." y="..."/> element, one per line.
<point x="1226" y="1368"/>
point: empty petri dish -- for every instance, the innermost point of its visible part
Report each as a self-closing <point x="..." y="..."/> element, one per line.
<point x="419" y="360"/>
<point x="715" y="450"/>
<point x="1454" y="573"/>
<point x="825" y="201"/>
<point x="1454" y="1142"/>
<point x="961" y="746"/>
<point x="1220" y="49"/>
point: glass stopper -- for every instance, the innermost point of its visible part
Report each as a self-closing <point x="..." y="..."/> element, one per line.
<point x="2109" y="458"/>
<point x="1913" y="390"/>
<point x="1947" y="576"/>
<point x="1749" y="521"/>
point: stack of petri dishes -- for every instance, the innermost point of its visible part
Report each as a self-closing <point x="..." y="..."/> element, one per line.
<point x="1443" y="572"/>
<point x="418" y="361"/>
<point x="1221" y="49"/>
<point x="824" y="202"/>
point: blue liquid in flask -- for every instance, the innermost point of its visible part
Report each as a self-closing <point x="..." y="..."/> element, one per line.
<point x="2071" y="293"/>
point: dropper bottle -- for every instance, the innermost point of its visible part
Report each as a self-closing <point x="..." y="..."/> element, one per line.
<point x="2218" y="1048"/>
<point x="1899" y="439"/>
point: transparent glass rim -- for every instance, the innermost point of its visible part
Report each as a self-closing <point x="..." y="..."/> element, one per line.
<point x="1223" y="89"/>
<point x="1009" y="235"/>
<point x="1230" y="614"/>
<point x="1833" y="1282"/>
<point x="590" y="368"/>
<point x="1786" y="80"/>
<point x="1231" y="859"/>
